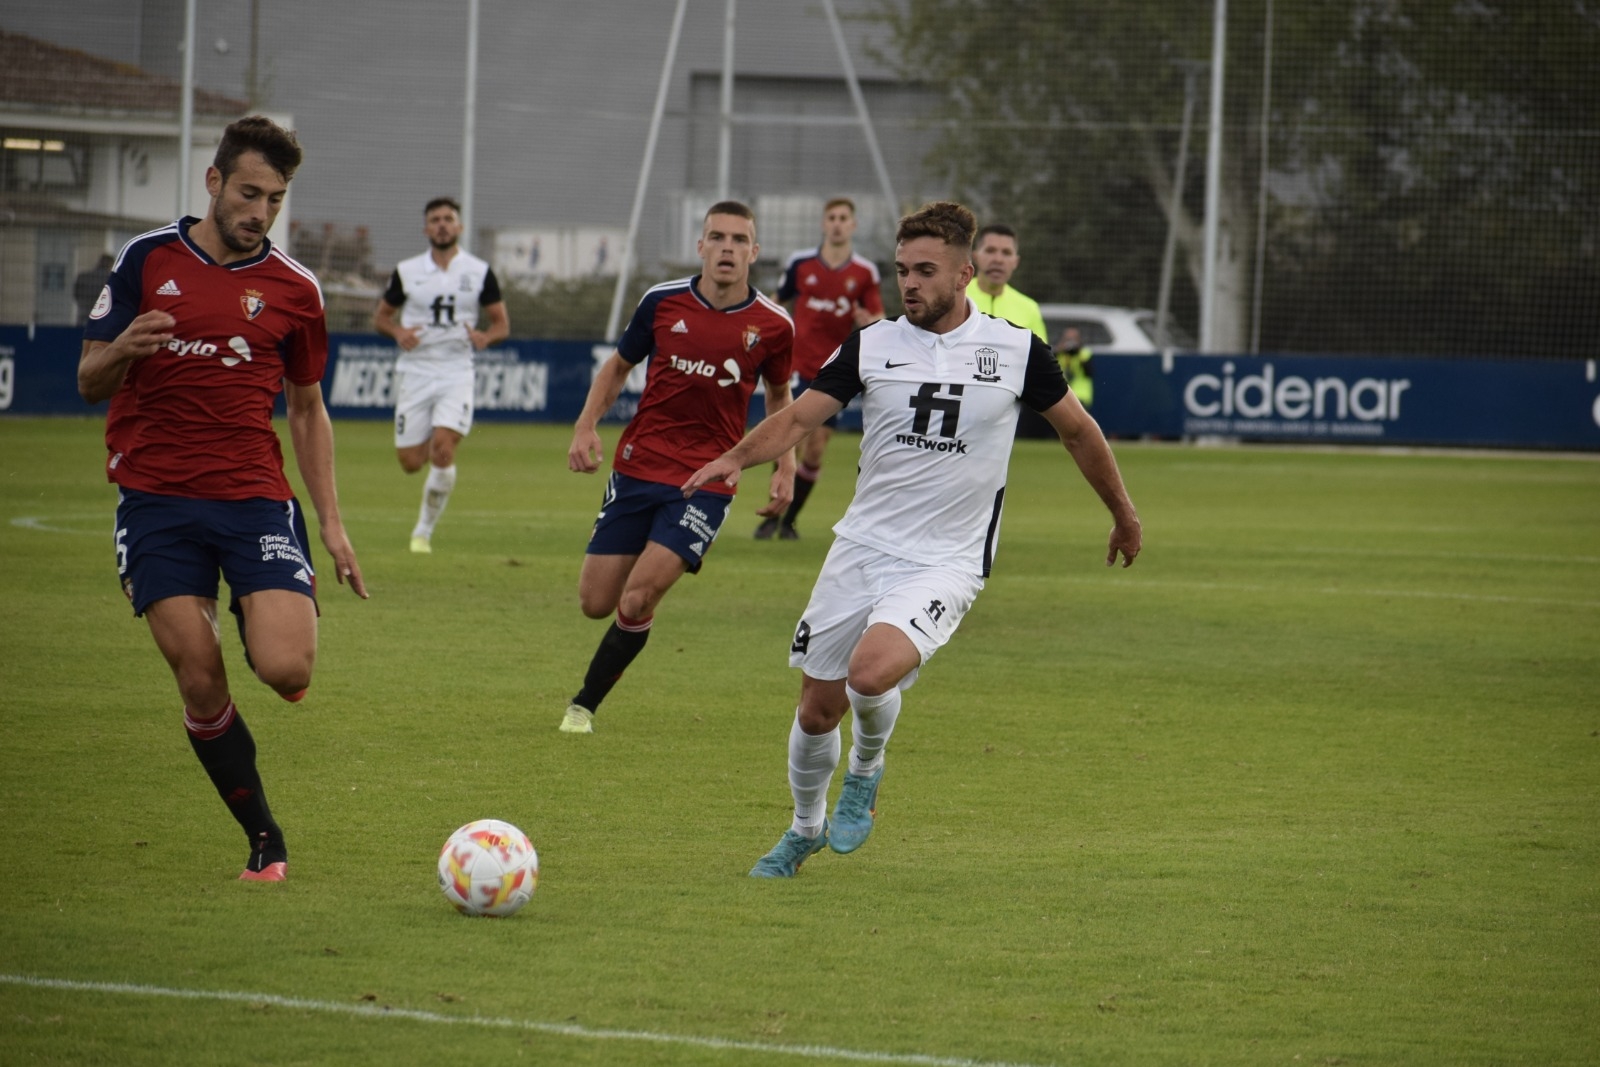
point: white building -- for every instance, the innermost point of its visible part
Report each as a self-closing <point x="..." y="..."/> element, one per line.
<point x="88" y="159"/>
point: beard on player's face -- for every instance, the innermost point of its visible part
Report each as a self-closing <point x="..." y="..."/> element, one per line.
<point x="927" y="306"/>
<point x="237" y="230"/>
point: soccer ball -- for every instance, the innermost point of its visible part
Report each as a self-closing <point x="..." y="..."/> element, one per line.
<point x="488" y="867"/>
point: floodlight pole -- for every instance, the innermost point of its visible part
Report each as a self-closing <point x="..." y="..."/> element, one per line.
<point x="1208" y="276"/>
<point x="186" y="111"/>
<point x="1191" y="71"/>
<point x="625" y="266"/>
<point x="725" y="125"/>
<point x="1261" y="193"/>
<point x="861" y="110"/>
<point x="469" y="123"/>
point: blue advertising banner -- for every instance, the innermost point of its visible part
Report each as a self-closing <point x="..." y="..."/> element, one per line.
<point x="1351" y="400"/>
<point x="517" y="381"/>
<point x="1313" y="399"/>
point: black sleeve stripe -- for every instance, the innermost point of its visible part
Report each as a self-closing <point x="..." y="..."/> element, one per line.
<point x="491" y="290"/>
<point x="1043" y="385"/>
<point x="395" y="296"/>
<point x="840" y="377"/>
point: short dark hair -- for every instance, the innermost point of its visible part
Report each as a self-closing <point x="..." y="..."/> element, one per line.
<point x="441" y="201"/>
<point x="257" y="133"/>
<point x="839" y="201"/>
<point x="730" y="207"/>
<point x="945" y="219"/>
<point x="999" y="229"/>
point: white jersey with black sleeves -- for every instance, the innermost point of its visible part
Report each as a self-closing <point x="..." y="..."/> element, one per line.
<point x="939" y="416"/>
<point x="444" y="303"/>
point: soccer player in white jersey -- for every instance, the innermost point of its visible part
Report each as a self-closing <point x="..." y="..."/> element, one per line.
<point x="438" y="296"/>
<point x="941" y="388"/>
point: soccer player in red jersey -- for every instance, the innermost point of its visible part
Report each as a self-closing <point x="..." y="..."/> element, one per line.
<point x="709" y="339"/>
<point x="830" y="291"/>
<point x="200" y="326"/>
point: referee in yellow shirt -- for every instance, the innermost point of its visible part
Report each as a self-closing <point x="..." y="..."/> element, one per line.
<point x="995" y="259"/>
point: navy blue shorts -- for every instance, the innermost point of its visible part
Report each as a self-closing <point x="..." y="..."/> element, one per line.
<point x="176" y="546"/>
<point x="635" y="512"/>
<point x="798" y="385"/>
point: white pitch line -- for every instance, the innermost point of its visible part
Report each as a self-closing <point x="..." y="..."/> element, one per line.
<point x="1404" y="553"/>
<point x="1247" y="587"/>
<point x="42" y="524"/>
<point x="374" y="1011"/>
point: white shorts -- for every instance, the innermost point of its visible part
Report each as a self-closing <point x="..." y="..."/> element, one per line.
<point x="423" y="401"/>
<point x="860" y="586"/>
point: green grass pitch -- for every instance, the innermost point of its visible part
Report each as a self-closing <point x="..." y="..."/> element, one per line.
<point x="1317" y="781"/>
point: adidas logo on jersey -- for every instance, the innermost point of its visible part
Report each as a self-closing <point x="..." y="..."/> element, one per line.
<point x="679" y="327"/>
<point x="169" y="288"/>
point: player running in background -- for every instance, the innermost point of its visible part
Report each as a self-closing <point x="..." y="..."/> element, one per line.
<point x="941" y="388"/>
<point x="438" y="296"/>
<point x="200" y="326"/>
<point x="709" y="340"/>
<point x="830" y="291"/>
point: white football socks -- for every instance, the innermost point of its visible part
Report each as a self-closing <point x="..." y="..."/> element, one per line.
<point x="812" y="759"/>
<point x="435" y="495"/>
<point x="874" y="722"/>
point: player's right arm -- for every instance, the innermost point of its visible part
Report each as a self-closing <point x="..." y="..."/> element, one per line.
<point x="776" y="436"/>
<point x="585" y="453"/>
<point x="103" y="365"/>
<point x="383" y="317"/>
<point x="383" y="320"/>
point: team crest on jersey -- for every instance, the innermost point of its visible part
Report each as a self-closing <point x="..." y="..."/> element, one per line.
<point x="752" y="337"/>
<point x="988" y="365"/>
<point x="849" y="285"/>
<point x="252" y="303"/>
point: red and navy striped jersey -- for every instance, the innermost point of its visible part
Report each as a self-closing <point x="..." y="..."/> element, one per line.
<point x="195" y="419"/>
<point x="704" y="365"/>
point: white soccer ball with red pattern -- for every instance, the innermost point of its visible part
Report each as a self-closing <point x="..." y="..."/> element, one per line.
<point x="488" y="867"/>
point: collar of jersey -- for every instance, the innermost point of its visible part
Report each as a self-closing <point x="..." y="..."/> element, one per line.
<point x="851" y="258"/>
<point x="433" y="264"/>
<point x="183" y="235"/>
<point x="694" y="290"/>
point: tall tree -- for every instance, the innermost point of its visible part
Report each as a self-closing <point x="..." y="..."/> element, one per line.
<point x="1435" y="167"/>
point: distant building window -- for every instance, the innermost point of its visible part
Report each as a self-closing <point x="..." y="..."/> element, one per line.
<point x="31" y="163"/>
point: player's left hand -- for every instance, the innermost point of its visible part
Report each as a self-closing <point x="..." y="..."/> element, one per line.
<point x="479" y="339"/>
<point x="780" y="493"/>
<point x="1127" y="537"/>
<point x="345" y="567"/>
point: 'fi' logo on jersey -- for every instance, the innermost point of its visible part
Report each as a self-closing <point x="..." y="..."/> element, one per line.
<point x="988" y="365"/>
<point x="752" y="337"/>
<point x="252" y="303"/>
